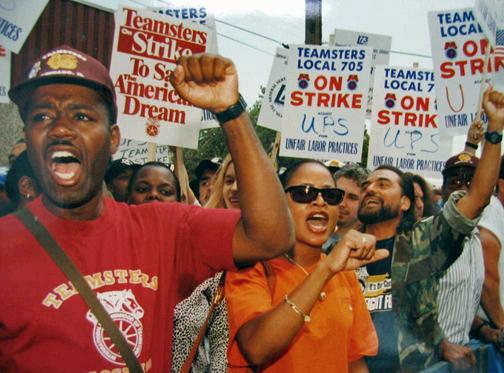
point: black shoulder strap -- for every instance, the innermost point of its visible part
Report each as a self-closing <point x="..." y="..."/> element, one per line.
<point x="216" y="300"/>
<point x="68" y="268"/>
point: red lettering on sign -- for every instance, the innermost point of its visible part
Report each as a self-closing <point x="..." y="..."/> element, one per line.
<point x="407" y="119"/>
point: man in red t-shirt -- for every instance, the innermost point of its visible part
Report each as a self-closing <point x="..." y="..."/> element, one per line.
<point x="140" y="260"/>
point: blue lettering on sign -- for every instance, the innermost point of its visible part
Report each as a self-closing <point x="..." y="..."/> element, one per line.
<point x="429" y="165"/>
<point x="317" y="65"/>
<point x="280" y="96"/>
<point x="379" y="160"/>
<point x="10" y="30"/>
<point x="328" y="59"/>
<point x="362" y="39"/>
<point x="332" y="54"/>
<point x="342" y="128"/>
<point x="456" y="120"/>
<point x="415" y="136"/>
<point x="462" y="120"/>
<point x="405" y="163"/>
<point x="402" y="85"/>
<point x="323" y="123"/>
<point x="310" y="127"/>
<point x="295" y="144"/>
<point x="394" y="141"/>
<point x="466" y="16"/>
<point x="342" y="147"/>
<point x="186" y="13"/>
<point x="454" y="24"/>
<point x="419" y="75"/>
<point x="417" y="141"/>
<point x="408" y="80"/>
<point x="319" y="146"/>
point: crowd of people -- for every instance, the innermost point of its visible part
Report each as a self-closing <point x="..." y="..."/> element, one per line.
<point x="324" y="267"/>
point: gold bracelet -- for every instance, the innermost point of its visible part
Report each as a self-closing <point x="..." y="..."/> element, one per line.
<point x="295" y="308"/>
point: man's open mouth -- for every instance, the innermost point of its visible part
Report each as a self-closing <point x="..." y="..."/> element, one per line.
<point x="65" y="167"/>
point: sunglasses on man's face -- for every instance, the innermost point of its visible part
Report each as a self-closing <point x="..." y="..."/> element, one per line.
<point x="308" y="194"/>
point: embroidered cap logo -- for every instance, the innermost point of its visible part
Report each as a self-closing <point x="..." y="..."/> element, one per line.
<point x="62" y="61"/>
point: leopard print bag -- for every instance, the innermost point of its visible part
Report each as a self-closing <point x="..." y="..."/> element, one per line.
<point x="189" y="316"/>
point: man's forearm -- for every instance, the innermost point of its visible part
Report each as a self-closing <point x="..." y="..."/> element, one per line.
<point x="262" y="199"/>
<point x="484" y="180"/>
<point x="492" y="305"/>
<point x="485" y="177"/>
<point x="265" y="230"/>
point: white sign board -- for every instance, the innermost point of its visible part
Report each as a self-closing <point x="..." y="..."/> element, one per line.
<point x="146" y="48"/>
<point x="404" y="124"/>
<point x="458" y="53"/>
<point x="490" y="16"/>
<point x="325" y="102"/>
<point x="17" y="18"/>
<point x="202" y="15"/>
<point x="5" y="73"/>
<point x="273" y="101"/>
<point x="198" y="14"/>
<point x="381" y="45"/>
<point x="137" y="152"/>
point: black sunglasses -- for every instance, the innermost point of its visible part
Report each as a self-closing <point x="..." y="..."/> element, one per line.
<point x="308" y="194"/>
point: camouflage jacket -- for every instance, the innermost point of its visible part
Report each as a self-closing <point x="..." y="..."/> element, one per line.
<point x="419" y="259"/>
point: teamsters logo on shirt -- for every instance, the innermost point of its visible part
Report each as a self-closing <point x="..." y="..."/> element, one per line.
<point x="125" y="311"/>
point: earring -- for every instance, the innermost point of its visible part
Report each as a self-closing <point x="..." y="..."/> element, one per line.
<point x="28" y="197"/>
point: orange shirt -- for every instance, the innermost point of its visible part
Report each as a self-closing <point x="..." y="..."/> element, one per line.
<point x="340" y="330"/>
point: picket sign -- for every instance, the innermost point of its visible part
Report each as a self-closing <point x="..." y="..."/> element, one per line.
<point x="404" y="128"/>
<point x="145" y="51"/>
<point x="325" y="107"/>
<point x="458" y="48"/>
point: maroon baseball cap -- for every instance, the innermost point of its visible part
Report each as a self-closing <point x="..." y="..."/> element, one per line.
<point x="460" y="160"/>
<point x="64" y="64"/>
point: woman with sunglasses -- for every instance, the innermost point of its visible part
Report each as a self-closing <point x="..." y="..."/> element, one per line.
<point x="304" y="311"/>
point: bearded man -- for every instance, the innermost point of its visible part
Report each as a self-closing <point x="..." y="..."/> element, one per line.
<point x="401" y="290"/>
